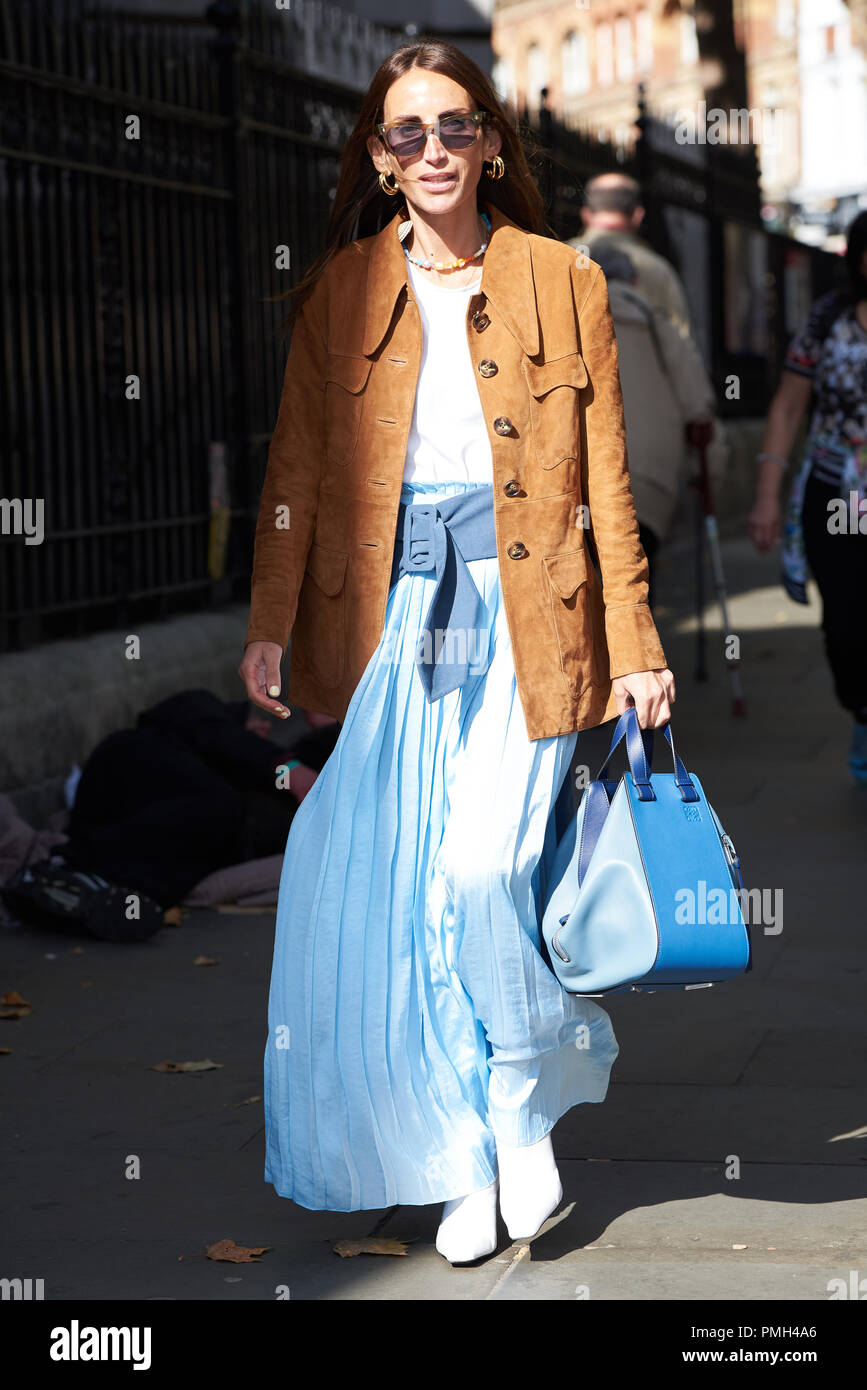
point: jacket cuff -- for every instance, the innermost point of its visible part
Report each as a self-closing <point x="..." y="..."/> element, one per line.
<point x="633" y="642"/>
<point x="261" y="628"/>
<point x="254" y="636"/>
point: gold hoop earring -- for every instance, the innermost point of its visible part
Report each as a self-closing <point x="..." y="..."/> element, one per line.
<point x="387" y="187"/>
<point x="497" y="169"/>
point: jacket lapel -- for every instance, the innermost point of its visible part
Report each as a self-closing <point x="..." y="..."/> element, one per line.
<point x="507" y="281"/>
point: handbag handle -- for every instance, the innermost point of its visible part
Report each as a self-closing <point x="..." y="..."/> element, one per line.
<point x="597" y="796"/>
<point x="682" y="778"/>
<point x="639" y="751"/>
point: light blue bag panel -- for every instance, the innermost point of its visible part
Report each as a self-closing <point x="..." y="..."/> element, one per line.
<point x="610" y="932"/>
<point x="644" y="890"/>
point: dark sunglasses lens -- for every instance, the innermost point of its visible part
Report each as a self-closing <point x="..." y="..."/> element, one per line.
<point x="455" y="135"/>
<point x="405" y="141"/>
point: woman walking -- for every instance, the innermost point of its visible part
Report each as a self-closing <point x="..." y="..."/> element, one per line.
<point x="825" y="529"/>
<point x="450" y="412"/>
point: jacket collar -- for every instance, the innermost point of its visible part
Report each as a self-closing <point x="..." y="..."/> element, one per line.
<point x="507" y="280"/>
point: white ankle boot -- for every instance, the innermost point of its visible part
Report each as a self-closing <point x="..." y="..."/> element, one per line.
<point x="530" y="1187"/>
<point x="468" y="1229"/>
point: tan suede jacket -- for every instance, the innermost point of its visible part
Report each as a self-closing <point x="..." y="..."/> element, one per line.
<point x="541" y="337"/>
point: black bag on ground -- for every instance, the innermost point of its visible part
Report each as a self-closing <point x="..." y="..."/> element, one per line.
<point x="52" y="894"/>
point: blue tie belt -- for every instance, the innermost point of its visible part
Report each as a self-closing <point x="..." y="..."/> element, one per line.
<point x="439" y="538"/>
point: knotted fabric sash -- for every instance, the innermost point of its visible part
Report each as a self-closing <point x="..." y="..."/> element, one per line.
<point x="439" y="538"/>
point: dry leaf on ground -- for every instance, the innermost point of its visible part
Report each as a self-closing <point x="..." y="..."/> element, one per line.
<point x="235" y="1254"/>
<point x="249" y="1101"/>
<point x="13" y="1006"/>
<point x="371" y="1245"/>
<point x="5" y="1051"/>
<point x="207" y="1065"/>
<point x="172" y="917"/>
<point x="206" y="960"/>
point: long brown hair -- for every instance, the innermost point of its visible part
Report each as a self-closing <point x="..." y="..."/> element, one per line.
<point x="360" y="206"/>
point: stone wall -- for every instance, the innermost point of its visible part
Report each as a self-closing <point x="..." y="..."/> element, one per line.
<point x="58" y="700"/>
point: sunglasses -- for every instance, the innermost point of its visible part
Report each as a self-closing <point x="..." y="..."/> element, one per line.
<point x="410" y="137"/>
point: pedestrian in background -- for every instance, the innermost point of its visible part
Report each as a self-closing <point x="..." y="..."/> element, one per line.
<point x="612" y="215"/>
<point x="665" y="387"/>
<point x="825" y="530"/>
<point x="433" y="445"/>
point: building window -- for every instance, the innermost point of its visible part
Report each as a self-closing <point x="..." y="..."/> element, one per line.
<point x="503" y="78"/>
<point x="576" y="64"/>
<point x="786" y="18"/>
<point x="643" y="41"/>
<point x="537" y="74"/>
<point x="688" y="39"/>
<point x="623" y="49"/>
<point x="604" y="55"/>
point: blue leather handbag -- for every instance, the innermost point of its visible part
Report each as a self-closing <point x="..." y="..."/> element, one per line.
<point x="645" y="885"/>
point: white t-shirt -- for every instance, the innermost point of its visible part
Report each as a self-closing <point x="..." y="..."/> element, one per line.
<point x="448" y="439"/>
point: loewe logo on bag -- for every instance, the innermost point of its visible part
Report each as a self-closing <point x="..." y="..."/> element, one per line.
<point x="691" y="812"/>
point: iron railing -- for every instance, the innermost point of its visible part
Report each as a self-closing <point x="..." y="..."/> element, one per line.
<point x="149" y="172"/>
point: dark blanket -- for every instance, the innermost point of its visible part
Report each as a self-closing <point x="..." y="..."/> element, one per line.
<point x="187" y="791"/>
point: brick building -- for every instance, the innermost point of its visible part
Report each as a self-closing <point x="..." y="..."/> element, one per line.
<point x="804" y="73"/>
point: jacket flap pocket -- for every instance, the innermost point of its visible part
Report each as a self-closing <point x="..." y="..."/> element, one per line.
<point x="327" y="568"/>
<point x="349" y="372"/>
<point x="562" y="371"/>
<point x="566" y="572"/>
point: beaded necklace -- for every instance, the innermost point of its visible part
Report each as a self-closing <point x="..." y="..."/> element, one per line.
<point x="459" y="261"/>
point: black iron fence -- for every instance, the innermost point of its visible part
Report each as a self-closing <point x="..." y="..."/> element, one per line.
<point x="160" y="184"/>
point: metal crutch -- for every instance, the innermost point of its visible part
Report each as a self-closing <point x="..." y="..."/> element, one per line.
<point x="699" y="434"/>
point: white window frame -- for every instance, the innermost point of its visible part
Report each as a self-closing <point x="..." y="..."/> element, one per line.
<point x="624" y="58"/>
<point x="604" y="55"/>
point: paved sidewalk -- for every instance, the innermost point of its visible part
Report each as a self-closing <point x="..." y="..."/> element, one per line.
<point x="768" y="1070"/>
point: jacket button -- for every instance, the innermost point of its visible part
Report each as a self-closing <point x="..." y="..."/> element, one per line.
<point x="480" y="322"/>
<point x="517" y="551"/>
<point x="512" y="487"/>
<point x="487" y="367"/>
<point x="503" y="424"/>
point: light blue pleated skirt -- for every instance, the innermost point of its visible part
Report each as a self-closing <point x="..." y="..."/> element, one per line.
<point x="413" y="1019"/>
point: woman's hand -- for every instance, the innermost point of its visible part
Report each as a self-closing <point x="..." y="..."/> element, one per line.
<point x="652" y="694"/>
<point x="260" y="672"/>
<point x="763" y="522"/>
